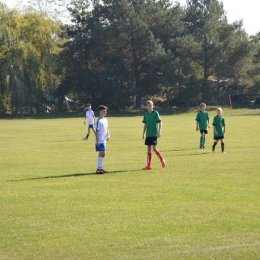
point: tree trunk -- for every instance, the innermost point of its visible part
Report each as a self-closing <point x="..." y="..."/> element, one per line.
<point x="138" y="102"/>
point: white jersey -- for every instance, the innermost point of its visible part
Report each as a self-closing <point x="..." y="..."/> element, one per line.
<point x="90" y="116"/>
<point x="102" y="130"/>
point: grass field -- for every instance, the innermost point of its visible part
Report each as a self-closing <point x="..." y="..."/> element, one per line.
<point x="201" y="206"/>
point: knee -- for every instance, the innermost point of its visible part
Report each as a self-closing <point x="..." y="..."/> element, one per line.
<point x="102" y="155"/>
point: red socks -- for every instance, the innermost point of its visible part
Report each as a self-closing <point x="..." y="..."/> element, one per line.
<point x="149" y="159"/>
<point x="159" y="155"/>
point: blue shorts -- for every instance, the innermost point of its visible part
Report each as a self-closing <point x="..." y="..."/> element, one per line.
<point x="90" y="126"/>
<point x="101" y="147"/>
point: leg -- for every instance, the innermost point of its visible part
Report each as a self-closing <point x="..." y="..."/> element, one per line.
<point x="86" y="138"/>
<point x="159" y="155"/>
<point x="214" y="145"/>
<point x="149" y="158"/>
<point x="88" y="132"/>
<point x="222" y="146"/>
<point x="101" y="156"/>
<point x="201" y="140"/>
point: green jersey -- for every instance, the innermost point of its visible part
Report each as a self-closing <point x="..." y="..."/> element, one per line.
<point x="203" y="119"/>
<point x="219" y="123"/>
<point x="151" y="120"/>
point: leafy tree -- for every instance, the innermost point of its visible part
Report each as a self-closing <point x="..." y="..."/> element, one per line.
<point x="251" y="76"/>
<point x="132" y="38"/>
<point x="28" y="48"/>
<point x="54" y="9"/>
<point x="82" y="65"/>
<point x="222" y="45"/>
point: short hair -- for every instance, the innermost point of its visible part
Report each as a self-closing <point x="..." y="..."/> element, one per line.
<point x="149" y="102"/>
<point x="102" y="107"/>
<point x="202" y="104"/>
<point x="219" y="109"/>
<point x="88" y="105"/>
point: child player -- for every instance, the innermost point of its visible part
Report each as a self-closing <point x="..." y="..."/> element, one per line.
<point x="91" y="120"/>
<point x="102" y="135"/>
<point x="219" y="130"/>
<point x="152" y="128"/>
<point x="202" y="123"/>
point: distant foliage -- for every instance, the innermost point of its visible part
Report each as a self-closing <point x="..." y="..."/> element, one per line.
<point x="120" y="53"/>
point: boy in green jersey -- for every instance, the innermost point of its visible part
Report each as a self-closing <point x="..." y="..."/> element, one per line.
<point x="202" y="123"/>
<point x="219" y="130"/>
<point x="152" y="128"/>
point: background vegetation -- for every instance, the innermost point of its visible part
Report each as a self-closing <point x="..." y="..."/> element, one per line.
<point x="120" y="52"/>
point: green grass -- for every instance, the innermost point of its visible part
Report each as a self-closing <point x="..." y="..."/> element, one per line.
<point x="201" y="206"/>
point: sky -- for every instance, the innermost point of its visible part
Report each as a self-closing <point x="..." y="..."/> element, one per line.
<point x="246" y="10"/>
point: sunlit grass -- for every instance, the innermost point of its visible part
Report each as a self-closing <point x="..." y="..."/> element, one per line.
<point x="201" y="206"/>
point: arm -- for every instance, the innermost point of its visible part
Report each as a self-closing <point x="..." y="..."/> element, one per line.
<point x="85" y="120"/>
<point x="159" y="130"/>
<point x="197" y="125"/>
<point x="144" y="130"/>
<point x="97" y="142"/>
<point x="108" y="134"/>
<point x="208" y="123"/>
<point x="215" y="130"/>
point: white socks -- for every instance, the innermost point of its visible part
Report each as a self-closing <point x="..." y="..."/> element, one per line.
<point x="100" y="162"/>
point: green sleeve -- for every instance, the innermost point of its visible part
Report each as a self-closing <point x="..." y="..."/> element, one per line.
<point x="214" y="121"/>
<point x="144" y="120"/>
<point x="158" y="119"/>
<point x="197" y="117"/>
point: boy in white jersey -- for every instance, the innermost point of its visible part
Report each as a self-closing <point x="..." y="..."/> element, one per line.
<point x="102" y="135"/>
<point x="90" y="116"/>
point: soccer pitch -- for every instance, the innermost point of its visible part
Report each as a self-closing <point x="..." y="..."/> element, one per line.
<point x="203" y="205"/>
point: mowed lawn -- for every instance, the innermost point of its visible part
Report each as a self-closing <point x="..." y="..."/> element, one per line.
<point x="203" y="205"/>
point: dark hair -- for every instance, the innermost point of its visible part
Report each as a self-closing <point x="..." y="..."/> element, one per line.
<point x="102" y="107"/>
<point x="88" y="105"/>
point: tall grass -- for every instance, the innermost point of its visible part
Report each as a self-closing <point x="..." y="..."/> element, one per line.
<point x="201" y="206"/>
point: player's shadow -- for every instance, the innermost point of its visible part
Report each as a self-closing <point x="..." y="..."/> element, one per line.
<point x="179" y="150"/>
<point x="188" y="154"/>
<point x="72" y="175"/>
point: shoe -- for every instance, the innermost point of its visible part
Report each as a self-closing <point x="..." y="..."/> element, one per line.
<point x="148" y="167"/>
<point x="85" y="138"/>
<point x="223" y="151"/>
<point x="201" y="146"/>
<point x="163" y="163"/>
<point x="101" y="171"/>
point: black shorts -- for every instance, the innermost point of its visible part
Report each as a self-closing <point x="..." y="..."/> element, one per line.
<point x="151" y="140"/>
<point x="204" y="131"/>
<point x="218" y="137"/>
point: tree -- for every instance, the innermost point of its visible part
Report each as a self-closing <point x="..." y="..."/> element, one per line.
<point x="132" y="37"/>
<point x="83" y="67"/>
<point x="28" y="47"/>
<point x="54" y="9"/>
<point x="222" y="45"/>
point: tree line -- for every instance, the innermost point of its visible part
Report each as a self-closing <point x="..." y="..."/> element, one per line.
<point x="118" y="52"/>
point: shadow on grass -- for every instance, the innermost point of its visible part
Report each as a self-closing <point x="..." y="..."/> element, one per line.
<point x="188" y="154"/>
<point x="72" y="175"/>
<point x="179" y="150"/>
